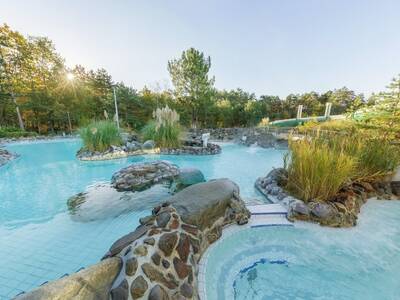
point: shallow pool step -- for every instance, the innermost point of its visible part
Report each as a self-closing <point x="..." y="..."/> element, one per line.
<point x="269" y="220"/>
<point x="268" y="215"/>
<point x="267" y="209"/>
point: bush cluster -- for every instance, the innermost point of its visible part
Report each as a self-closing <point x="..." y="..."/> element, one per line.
<point x="14" y="132"/>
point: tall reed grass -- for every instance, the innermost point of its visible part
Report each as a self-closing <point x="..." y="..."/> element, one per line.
<point x="315" y="172"/>
<point x="320" y="164"/>
<point x="165" y="129"/>
<point x="100" y="135"/>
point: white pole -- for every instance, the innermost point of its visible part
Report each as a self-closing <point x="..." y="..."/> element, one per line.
<point x="116" y="107"/>
<point x="69" y="123"/>
<point x="299" y="111"/>
<point x="328" y="107"/>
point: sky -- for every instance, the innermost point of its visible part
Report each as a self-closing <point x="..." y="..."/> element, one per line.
<point x="273" y="47"/>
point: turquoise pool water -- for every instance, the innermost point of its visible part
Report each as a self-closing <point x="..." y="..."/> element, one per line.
<point x="40" y="242"/>
<point x="311" y="262"/>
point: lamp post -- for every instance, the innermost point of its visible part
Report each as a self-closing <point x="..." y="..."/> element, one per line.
<point x="116" y="108"/>
<point x="70" y="77"/>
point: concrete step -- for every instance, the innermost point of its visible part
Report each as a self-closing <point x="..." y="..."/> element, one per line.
<point x="267" y="209"/>
<point x="269" y="220"/>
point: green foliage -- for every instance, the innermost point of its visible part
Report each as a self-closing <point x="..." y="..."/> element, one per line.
<point x="315" y="172"/>
<point x="14" y="132"/>
<point x="165" y="130"/>
<point x="320" y="164"/>
<point x="376" y="158"/>
<point x="100" y="135"/>
<point x="34" y="88"/>
<point x="193" y="87"/>
<point x="149" y="131"/>
<point x="346" y="125"/>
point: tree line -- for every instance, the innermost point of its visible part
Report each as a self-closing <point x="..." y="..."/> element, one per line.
<point x="39" y="92"/>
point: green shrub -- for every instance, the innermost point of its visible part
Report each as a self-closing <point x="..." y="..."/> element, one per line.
<point x="315" y="172"/>
<point x="165" y="130"/>
<point x="14" y="132"/>
<point x="100" y="135"/>
<point x="149" y="131"/>
<point x="320" y="164"/>
<point x="377" y="158"/>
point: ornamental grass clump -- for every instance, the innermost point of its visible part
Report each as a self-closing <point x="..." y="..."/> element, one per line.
<point x="100" y="135"/>
<point x="165" y="129"/>
<point x="377" y="158"/>
<point x="315" y="171"/>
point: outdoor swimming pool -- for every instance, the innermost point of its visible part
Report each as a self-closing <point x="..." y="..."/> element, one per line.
<point x="40" y="242"/>
<point x="310" y="262"/>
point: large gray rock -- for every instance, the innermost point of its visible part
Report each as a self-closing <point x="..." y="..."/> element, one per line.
<point x="149" y="145"/>
<point x="93" y="283"/>
<point x="128" y="137"/>
<point x="102" y="201"/>
<point x="395" y="182"/>
<point x="203" y="203"/>
<point x="299" y="207"/>
<point x="187" y="177"/>
<point x="322" y="210"/>
<point x="139" y="177"/>
<point x="133" y="146"/>
<point x="127" y="239"/>
<point x="6" y="156"/>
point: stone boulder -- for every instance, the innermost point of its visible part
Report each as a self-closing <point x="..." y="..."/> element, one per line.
<point x="192" y="147"/>
<point x="322" y="210"/>
<point x="203" y="203"/>
<point x="271" y="186"/>
<point x="187" y="177"/>
<point x="133" y="146"/>
<point x="149" y="145"/>
<point x="102" y="201"/>
<point x="395" y="183"/>
<point x="299" y="209"/>
<point x="128" y="137"/>
<point x="6" y="156"/>
<point x="93" y="283"/>
<point x="139" y="177"/>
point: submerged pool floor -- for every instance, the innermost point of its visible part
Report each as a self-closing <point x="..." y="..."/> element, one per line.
<point x="39" y="241"/>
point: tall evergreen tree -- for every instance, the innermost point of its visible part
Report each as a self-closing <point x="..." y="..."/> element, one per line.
<point x="193" y="86"/>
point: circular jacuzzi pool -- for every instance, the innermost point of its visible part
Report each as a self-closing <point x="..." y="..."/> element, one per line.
<point x="308" y="261"/>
